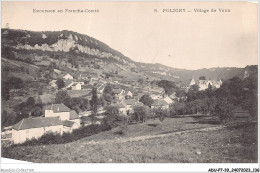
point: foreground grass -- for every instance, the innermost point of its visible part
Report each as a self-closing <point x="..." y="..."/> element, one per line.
<point x="229" y="145"/>
<point x="154" y="127"/>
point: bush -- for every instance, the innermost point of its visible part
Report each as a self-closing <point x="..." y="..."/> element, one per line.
<point x="178" y="108"/>
<point x="224" y="109"/>
<point x="160" y="113"/>
<point x="112" y="116"/>
<point x="140" y="113"/>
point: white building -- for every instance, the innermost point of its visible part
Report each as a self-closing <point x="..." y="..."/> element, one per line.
<point x="129" y="94"/>
<point x="53" y="84"/>
<point x="204" y="84"/>
<point x="67" y="76"/>
<point x="160" y="103"/>
<point x="168" y="100"/>
<point x="30" y="128"/>
<point x="65" y="115"/>
<point x="60" y="110"/>
<point x="76" y="86"/>
<point x="119" y="93"/>
<point x="100" y="89"/>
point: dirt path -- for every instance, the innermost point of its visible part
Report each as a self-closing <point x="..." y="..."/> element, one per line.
<point x="141" y="138"/>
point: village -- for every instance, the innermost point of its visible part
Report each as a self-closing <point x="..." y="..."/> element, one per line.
<point x="59" y="119"/>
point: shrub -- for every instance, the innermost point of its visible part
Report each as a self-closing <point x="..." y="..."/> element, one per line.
<point x="140" y="113"/>
<point x="178" y="108"/>
<point x="160" y="113"/>
<point x="112" y="116"/>
<point x="224" y="109"/>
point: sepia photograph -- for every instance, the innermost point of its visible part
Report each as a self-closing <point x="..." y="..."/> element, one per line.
<point x="129" y="82"/>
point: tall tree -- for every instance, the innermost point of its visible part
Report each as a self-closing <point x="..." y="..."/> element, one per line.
<point x="63" y="97"/>
<point x="60" y="83"/>
<point x="146" y="100"/>
<point x="30" y="102"/>
<point x="112" y="116"/>
<point x="94" y="104"/>
<point x="168" y="86"/>
<point x="108" y="94"/>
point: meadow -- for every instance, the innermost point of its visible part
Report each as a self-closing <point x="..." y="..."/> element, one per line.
<point x="234" y="144"/>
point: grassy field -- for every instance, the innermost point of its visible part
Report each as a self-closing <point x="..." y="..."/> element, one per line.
<point x="229" y="145"/>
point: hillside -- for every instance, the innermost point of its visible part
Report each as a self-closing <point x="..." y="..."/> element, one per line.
<point x="178" y="140"/>
<point x="71" y="51"/>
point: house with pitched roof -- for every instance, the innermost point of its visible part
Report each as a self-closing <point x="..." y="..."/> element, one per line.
<point x="30" y="128"/>
<point x="53" y="84"/>
<point x="100" y="89"/>
<point x="168" y="100"/>
<point x="70" y="118"/>
<point x="130" y="104"/>
<point x="59" y="110"/>
<point x="76" y="86"/>
<point x="129" y="94"/>
<point x="160" y="103"/>
<point x="67" y="76"/>
<point x="204" y="84"/>
<point x="119" y="93"/>
<point x="83" y="76"/>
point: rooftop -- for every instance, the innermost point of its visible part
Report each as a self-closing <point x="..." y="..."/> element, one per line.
<point x="160" y="102"/>
<point x="68" y="123"/>
<point x="130" y="101"/>
<point x="29" y="123"/>
<point x="73" y="115"/>
<point x="58" y="108"/>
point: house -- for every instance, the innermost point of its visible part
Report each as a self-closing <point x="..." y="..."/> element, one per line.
<point x="168" y="100"/>
<point x="119" y="93"/>
<point x="129" y="94"/>
<point x="160" y="103"/>
<point x="76" y="86"/>
<point x="105" y="81"/>
<point x="72" y="123"/>
<point x="93" y="79"/>
<point x="57" y="71"/>
<point x="81" y="81"/>
<point x="129" y="104"/>
<point x="155" y="96"/>
<point x="67" y="76"/>
<point x="121" y="107"/>
<point x="60" y="110"/>
<point x="101" y="89"/>
<point x="74" y="117"/>
<point x="83" y="76"/>
<point x="68" y="83"/>
<point x="65" y="114"/>
<point x="204" y="84"/>
<point x="43" y="63"/>
<point x="79" y="93"/>
<point x="30" y="128"/>
<point x="53" y="84"/>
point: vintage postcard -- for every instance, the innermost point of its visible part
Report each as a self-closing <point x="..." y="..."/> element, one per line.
<point x="129" y="82"/>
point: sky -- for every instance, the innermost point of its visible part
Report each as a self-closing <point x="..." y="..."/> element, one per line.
<point x="187" y="40"/>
